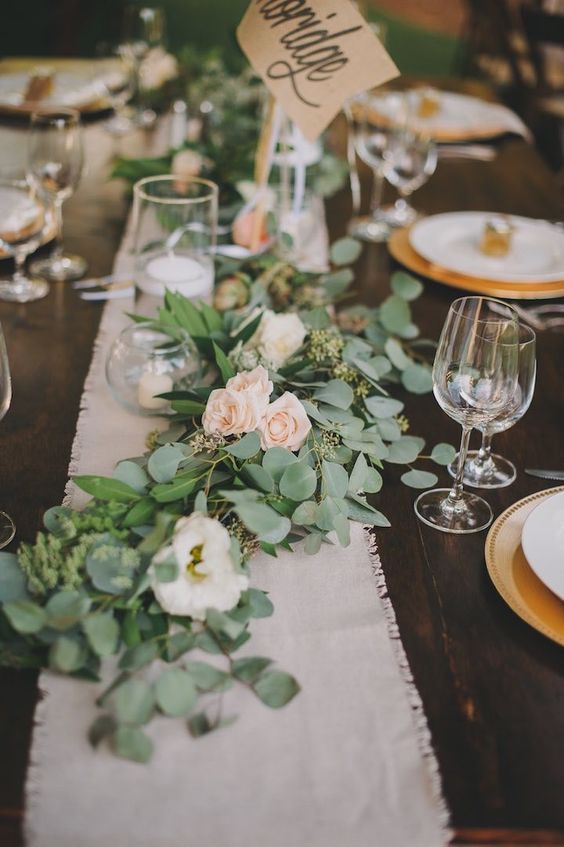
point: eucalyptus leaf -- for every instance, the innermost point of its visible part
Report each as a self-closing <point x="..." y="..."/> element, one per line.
<point x="163" y="464"/>
<point x="417" y="379"/>
<point x="364" y="513"/>
<point x="298" y="482"/>
<point x="261" y="606"/>
<point x="25" y="616"/>
<point x="419" y="479"/>
<point x="443" y="454"/>
<point x="406" y="286"/>
<point x="335" y="479"/>
<point x="257" y="477"/>
<point x="130" y="742"/>
<point x="312" y="544"/>
<point x="175" y="692"/>
<point x="305" y="514"/>
<point x="404" y="451"/>
<point x="345" y="251"/>
<point x="139" y="656"/>
<point x="249" y="669"/>
<point x="263" y="521"/>
<point x="342" y="527"/>
<point x="133" y="475"/>
<point x="102" y="632"/>
<point x="12" y="579"/>
<point x="65" y="608"/>
<point x="336" y="393"/>
<point x="395" y="314"/>
<point x="383" y="407"/>
<point x="396" y="355"/>
<point x="134" y="702"/>
<point x="247" y="447"/>
<point x="208" y="678"/>
<point x="276" y="460"/>
<point x="276" y="688"/>
<point x="66" y="654"/>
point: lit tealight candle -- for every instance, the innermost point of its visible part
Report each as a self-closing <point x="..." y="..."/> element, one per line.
<point x="151" y="384"/>
<point x="178" y="273"/>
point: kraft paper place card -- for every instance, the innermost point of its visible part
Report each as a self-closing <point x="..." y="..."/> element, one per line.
<point x="313" y="55"/>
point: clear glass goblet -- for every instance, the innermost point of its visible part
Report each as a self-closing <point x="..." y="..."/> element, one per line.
<point x="474" y="381"/>
<point x="7" y="526"/>
<point x="115" y="69"/>
<point x="484" y="469"/>
<point x="144" y="29"/>
<point x="410" y="158"/>
<point x="55" y="165"/>
<point x="25" y="223"/>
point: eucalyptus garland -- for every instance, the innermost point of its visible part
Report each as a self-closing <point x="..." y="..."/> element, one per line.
<point x="280" y="444"/>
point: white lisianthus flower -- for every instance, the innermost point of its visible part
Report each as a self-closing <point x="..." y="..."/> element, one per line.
<point x="278" y="337"/>
<point x="157" y="68"/>
<point x="207" y="578"/>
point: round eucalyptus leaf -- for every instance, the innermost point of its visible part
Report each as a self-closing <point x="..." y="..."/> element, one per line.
<point x="176" y="692"/>
<point x="66" y="654"/>
<point x="257" y="477"/>
<point x="417" y="379"/>
<point x="335" y="479"/>
<point x="396" y="355"/>
<point x="102" y="632"/>
<point x="404" y="451"/>
<point x="345" y="251"/>
<point x="130" y="742"/>
<point x="336" y="393"/>
<point x="443" y="454"/>
<point x="419" y="479"/>
<point x="12" y="579"/>
<point x="395" y="314"/>
<point x="298" y="482"/>
<point x="247" y="447"/>
<point x="134" y="702"/>
<point x="383" y="407"/>
<point x="25" y="616"/>
<point x="65" y="609"/>
<point x="263" y="521"/>
<point x="53" y="518"/>
<point x="133" y="475"/>
<point x="164" y="462"/>
<point x="276" y="460"/>
<point x="406" y="286"/>
<point x="305" y="514"/>
<point x="276" y="688"/>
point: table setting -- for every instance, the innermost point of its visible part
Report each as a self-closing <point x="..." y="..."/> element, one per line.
<point x="271" y="555"/>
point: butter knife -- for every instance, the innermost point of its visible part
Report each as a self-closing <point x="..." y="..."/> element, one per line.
<point x="545" y="474"/>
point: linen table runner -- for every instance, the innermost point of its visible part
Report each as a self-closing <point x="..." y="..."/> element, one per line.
<point x="348" y="763"/>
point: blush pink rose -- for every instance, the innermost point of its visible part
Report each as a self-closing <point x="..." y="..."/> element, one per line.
<point x="255" y="382"/>
<point x="285" y="424"/>
<point x="231" y="412"/>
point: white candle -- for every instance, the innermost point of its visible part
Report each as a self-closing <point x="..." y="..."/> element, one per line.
<point x="177" y="273"/>
<point x="151" y="384"/>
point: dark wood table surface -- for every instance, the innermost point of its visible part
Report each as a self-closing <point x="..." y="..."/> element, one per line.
<point x="492" y="687"/>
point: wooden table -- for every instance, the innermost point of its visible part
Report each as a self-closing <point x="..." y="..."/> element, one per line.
<point x="492" y="687"/>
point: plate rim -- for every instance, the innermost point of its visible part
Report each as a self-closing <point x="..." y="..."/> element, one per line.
<point x="493" y="570"/>
<point x="543" y="502"/>
<point x="512" y="279"/>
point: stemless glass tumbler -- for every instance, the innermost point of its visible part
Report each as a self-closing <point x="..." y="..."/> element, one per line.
<point x="175" y="225"/>
<point x="483" y="468"/>
<point x="55" y="165"/>
<point x="474" y="381"/>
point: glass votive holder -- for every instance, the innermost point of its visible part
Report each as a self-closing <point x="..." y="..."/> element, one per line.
<point x="299" y="218"/>
<point x="175" y="230"/>
<point x="145" y="361"/>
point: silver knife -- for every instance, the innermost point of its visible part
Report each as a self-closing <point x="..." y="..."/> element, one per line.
<point x="545" y="474"/>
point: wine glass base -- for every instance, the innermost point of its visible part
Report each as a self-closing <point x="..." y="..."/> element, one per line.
<point x="369" y="229"/>
<point x="61" y="268"/>
<point x="23" y="290"/>
<point x="398" y="216"/>
<point x="472" y="513"/>
<point x="7" y="529"/>
<point x="498" y="472"/>
<point x="119" y="125"/>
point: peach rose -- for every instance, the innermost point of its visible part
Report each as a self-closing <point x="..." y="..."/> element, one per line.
<point x="285" y="424"/>
<point x="243" y="229"/>
<point x="255" y="382"/>
<point x="231" y="412"/>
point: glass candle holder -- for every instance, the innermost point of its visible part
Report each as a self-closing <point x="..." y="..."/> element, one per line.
<point x="175" y="226"/>
<point x="298" y="219"/>
<point x="145" y="361"/>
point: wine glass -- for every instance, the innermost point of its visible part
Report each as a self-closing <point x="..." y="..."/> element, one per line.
<point x="144" y="29"/>
<point x="410" y="158"/>
<point x="25" y="220"/>
<point x="7" y="526"/>
<point x="116" y="70"/>
<point x="474" y="381"/>
<point x="55" y="165"/>
<point x="371" y="142"/>
<point x="484" y="469"/>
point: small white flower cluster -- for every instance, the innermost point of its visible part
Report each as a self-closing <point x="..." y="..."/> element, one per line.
<point x="157" y="68"/>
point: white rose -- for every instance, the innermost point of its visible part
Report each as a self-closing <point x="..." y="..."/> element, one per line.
<point x="278" y="337"/>
<point x="157" y="68"/>
<point x="207" y="578"/>
<point x="285" y="424"/>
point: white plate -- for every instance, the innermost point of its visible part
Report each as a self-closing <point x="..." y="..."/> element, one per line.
<point x="70" y="88"/>
<point x="543" y="543"/>
<point x="459" y="116"/>
<point x="452" y="240"/>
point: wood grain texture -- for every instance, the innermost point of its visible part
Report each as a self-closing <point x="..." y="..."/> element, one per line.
<point x="493" y="688"/>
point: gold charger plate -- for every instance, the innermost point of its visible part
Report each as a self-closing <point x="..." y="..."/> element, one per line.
<point x="511" y="574"/>
<point x="403" y="252"/>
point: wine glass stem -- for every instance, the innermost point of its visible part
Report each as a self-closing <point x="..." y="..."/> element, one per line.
<point x="58" y="208"/>
<point x="377" y="191"/>
<point x="455" y="495"/>
<point x="484" y="455"/>
<point x="19" y="261"/>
